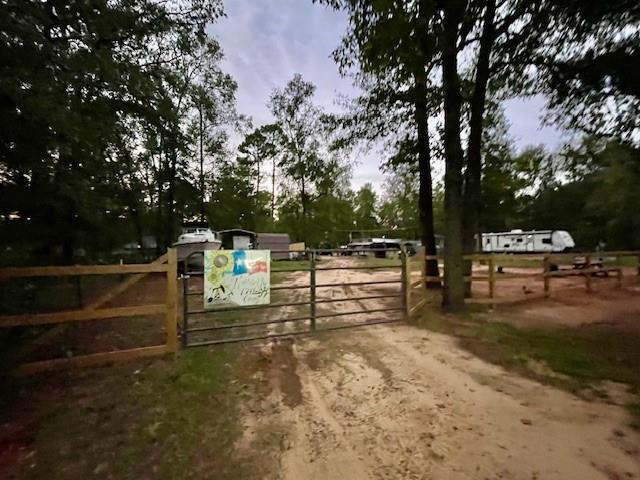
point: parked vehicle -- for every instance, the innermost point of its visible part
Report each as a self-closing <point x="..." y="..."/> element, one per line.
<point x="533" y="241"/>
<point x="196" y="239"/>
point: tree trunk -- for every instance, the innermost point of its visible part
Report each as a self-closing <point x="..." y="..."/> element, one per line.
<point x="160" y="187"/>
<point x="425" y="195"/>
<point x="472" y="186"/>
<point x="273" y="192"/>
<point x="303" y="202"/>
<point x="453" y="294"/>
<point x="169" y="217"/>
<point x="202" y="216"/>
<point x="257" y="175"/>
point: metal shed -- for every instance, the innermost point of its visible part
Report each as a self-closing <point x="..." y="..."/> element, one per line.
<point x="274" y="241"/>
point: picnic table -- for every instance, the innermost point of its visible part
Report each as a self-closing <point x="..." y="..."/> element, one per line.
<point x="581" y="262"/>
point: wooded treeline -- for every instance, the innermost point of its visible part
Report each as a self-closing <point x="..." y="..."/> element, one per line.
<point x="434" y="71"/>
<point x="118" y="124"/>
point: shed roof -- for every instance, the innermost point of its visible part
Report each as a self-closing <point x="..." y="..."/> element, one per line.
<point x="236" y="230"/>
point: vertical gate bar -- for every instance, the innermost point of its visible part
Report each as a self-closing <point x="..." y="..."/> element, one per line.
<point x="171" y="302"/>
<point x="492" y="276"/>
<point x="312" y="289"/>
<point x="185" y="309"/>
<point x="406" y="284"/>
<point x="587" y="277"/>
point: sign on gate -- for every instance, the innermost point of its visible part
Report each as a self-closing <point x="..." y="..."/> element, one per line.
<point x="236" y="278"/>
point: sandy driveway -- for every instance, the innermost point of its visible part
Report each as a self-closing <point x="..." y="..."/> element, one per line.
<point x="393" y="401"/>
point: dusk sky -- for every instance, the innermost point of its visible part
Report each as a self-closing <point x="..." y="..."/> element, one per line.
<point x="267" y="41"/>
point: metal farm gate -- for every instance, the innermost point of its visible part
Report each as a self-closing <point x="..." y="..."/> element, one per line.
<point x="303" y="298"/>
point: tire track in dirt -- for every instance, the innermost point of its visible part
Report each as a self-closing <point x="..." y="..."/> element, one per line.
<point x="396" y="402"/>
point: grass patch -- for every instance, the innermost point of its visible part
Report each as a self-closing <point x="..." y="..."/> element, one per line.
<point x="634" y="409"/>
<point x="578" y="358"/>
<point x="289" y="265"/>
<point x="162" y="419"/>
<point x="517" y="262"/>
<point x="629" y="261"/>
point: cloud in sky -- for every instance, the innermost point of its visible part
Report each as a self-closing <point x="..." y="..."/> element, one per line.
<point x="267" y="41"/>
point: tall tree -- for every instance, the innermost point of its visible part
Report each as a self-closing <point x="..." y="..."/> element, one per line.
<point x="397" y="209"/>
<point x="393" y="46"/>
<point x="453" y="293"/>
<point x="75" y="82"/>
<point x="365" y="207"/>
<point x="303" y="155"/>
<point x="261" y="146"/>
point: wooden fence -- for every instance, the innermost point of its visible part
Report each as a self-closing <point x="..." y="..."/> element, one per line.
<point x="166" y="264"/>
<point x="588" y="268"/>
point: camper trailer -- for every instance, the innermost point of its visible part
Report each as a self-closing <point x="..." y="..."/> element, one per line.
<point x="534" y="241"/>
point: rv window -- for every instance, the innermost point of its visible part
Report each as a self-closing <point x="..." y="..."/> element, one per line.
<point x="488" y="241"/>
<point x="546" y="240"/>
<point x="519" y="240"/>
<point x="506" y="245"/>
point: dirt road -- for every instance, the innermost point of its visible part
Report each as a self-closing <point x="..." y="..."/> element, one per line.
<point x="394" y="401"/>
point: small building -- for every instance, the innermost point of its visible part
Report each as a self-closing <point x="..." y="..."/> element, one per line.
<point x="274" y="241"/>
<point x="237" y="239"/>
<point x="297" y="250"/>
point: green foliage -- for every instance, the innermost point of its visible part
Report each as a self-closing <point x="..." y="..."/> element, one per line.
<point x="234" y="203"/>
<point x="97" y="120"/>
<point x="597" y="204"/>
<point x="398" y="208"/>
<point x="589" y="190"/>
<point x="313" y="190"/>
<point x="365" y="208"/>
<point x="330" y="211"/>
<point x="587" y="66"/>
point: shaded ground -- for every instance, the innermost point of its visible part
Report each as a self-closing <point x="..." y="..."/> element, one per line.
<point x="606" y="305"/>
<point x="454" y="398"/>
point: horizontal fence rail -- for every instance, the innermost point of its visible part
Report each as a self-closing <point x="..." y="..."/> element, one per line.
<point x="166" y="264"/>
<point x="78" y="315"/>
<point x="77" y="270"/>
<point x="585" y="264"/>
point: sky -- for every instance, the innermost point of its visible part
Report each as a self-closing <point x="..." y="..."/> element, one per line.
<point x="266" y="42"/>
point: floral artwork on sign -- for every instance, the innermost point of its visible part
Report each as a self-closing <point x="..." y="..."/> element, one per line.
<point x="236" y="278"/>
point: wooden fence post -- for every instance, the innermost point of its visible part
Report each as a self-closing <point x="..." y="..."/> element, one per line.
<point x="171" y="302"/>
<point x="492" y="276"/>
<point x="619" y="271"/>
<point x="545" y="276"/>
<point x="312" y="289"/>
<point x="587" y="267"/>
<point x="406" y="283"/>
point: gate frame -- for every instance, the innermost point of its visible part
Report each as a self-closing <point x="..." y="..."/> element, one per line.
<point x="313" y="286"/>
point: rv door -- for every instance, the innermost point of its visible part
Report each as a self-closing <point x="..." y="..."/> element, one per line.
<point x="530" y="243"/>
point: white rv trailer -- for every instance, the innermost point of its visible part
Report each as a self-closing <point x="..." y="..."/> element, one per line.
<point x="534" y="241"/>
